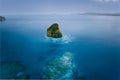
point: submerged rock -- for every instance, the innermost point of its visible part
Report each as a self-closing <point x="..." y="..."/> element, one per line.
<point x="60" y="68"/>
<point x="2" y="18"/>
<point x="12" y="70"/>
<point x="54" y="31"/>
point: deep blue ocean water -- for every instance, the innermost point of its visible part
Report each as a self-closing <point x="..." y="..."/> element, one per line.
<point x="93" y="40"/>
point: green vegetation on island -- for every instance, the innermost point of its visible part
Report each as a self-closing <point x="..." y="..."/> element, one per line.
<point x="54" y="31"/>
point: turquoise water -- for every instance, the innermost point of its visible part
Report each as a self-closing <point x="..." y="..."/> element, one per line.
<point x="93" y="40"/>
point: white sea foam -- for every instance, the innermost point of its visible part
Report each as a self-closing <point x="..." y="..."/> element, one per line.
<point x="64" y="40"/>
<point x="67" y="39"/>
<point x="60" y="67"/>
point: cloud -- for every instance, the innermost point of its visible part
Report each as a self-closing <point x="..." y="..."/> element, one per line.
<point x="107" y="0"/>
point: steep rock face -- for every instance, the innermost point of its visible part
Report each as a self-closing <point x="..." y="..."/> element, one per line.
<point x="54" y="31"/>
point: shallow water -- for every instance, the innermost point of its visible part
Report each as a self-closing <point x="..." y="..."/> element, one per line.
<point x="93" y="40"/>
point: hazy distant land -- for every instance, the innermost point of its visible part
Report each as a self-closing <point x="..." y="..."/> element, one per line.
<point x="2" y="18"/>
<point x="101" y="14"/>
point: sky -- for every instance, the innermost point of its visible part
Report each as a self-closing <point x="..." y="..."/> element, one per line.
<point x="58" y="6"/>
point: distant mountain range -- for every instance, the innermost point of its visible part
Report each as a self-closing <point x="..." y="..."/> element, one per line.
<point x="101" y="14"/>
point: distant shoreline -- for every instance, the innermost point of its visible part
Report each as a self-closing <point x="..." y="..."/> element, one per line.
<point x="101" y="14"/>
<point x="89" y="13"/>
<point x="2" y="18"/>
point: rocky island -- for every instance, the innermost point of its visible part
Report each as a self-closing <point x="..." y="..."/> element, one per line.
<point x="2" y="18"/>
<point x="54" y="31"/>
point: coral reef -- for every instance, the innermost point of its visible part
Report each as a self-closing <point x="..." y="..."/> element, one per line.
<point x="59" y="68"/>
<point x="12" y="70"/>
